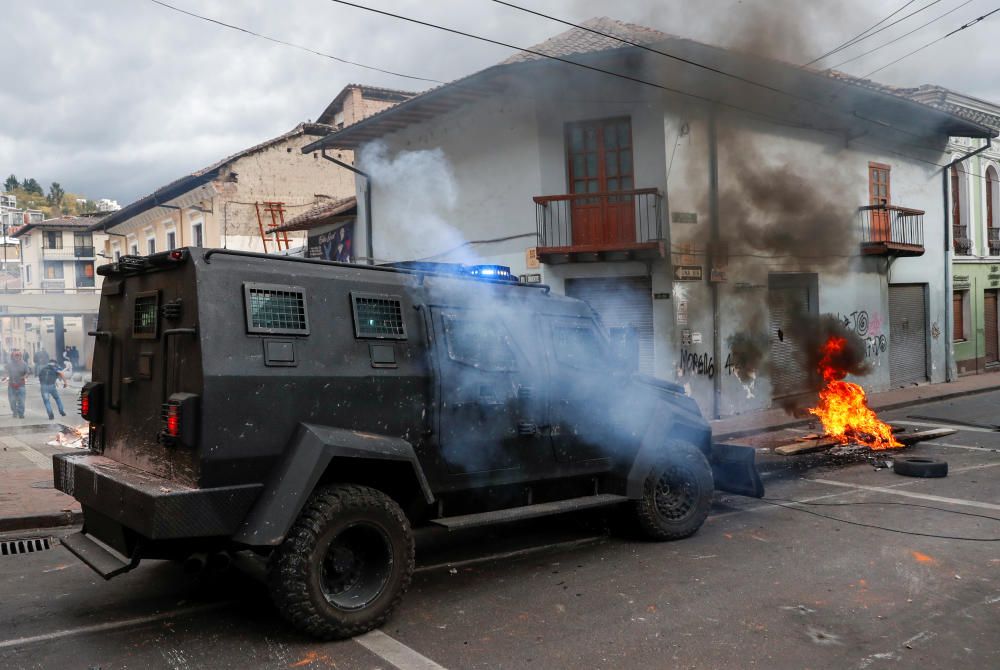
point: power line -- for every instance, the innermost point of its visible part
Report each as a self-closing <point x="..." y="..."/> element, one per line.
<point x="933" y="42"/>
<point x="292" y="45"/>
<point x="844" y="45"/>
<point x="903" y="36"/>
<point x="883" y="28"/>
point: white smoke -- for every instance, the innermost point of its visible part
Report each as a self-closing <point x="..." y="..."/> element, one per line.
<point x="416" y="196"/>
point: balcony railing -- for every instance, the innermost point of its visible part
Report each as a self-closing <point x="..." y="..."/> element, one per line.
<point x="618" y="225"/>
<point x="57" y="253"/>
<point x="993" y="239"/>
<point x="83" y="252"/>
<point x="85" y="282"/>
<point x="961" y="241"/>
<point x="54" y="285"/>
<point x="890" y="230"/>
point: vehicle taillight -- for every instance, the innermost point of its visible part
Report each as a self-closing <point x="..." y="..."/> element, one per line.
<point x="179" y="416"/>
<point x="92" y="402"/>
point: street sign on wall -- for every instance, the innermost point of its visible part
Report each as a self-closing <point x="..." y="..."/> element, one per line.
<point x="688" y="273"/>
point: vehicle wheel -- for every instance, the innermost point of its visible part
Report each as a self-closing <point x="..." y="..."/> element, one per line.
<point x="676" y="496"/>
<point x="919" y="466"/>
<point x="345" y="564"/>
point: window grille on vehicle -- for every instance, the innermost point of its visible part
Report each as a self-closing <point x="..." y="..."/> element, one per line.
<point x="481" y="343"/>
<point x="144" y="316"/>
<point x="378" y="316"/>
<point x="276" y="309"/>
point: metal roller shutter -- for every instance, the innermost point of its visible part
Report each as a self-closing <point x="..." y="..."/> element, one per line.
<point x="788" y="375"/>
<point x="990" y="326"/>
<point x="621" y="302"/>
<point x="907" y="334"/>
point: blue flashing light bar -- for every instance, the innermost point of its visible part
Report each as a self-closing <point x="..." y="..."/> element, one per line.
<point x="491" y="272"/>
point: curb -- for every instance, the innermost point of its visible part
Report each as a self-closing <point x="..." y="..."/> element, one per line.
<point x="32" y="521"/>
<point x="796" y="423"/>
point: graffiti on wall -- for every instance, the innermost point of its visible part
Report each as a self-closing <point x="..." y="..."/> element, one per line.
<point x="692" y="362"/>
<point x="869" y="329"/>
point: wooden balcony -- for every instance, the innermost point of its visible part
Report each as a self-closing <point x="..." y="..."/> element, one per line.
<point x="890" y="230"/>
<point x="612" y="226"/>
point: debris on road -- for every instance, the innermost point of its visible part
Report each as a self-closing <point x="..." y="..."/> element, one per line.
<point x="71" y="437"/>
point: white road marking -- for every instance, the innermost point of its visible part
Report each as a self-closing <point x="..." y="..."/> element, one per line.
<point x="951" y="426"/>
<point x="111" y="625"/>
<point x="395" y="652"/>
<point x="961" y="446"/>
<point x="910" y="494"/>
<point x="39" y="459"/>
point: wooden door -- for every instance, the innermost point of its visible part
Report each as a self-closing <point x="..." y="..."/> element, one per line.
<point x="879" y="194"/>
<point x="599" y="155"/>
<point x="991" y="326"/>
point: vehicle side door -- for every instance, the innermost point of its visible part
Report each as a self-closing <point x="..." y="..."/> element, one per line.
<point x="489" y="418"/>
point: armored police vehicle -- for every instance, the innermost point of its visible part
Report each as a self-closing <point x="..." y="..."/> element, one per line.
<point x="316" y="413"/>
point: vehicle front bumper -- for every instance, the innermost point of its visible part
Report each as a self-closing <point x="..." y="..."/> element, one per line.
<point x="153" y="507"/>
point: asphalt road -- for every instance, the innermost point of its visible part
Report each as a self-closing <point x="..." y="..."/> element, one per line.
<point x="759" y="586"/>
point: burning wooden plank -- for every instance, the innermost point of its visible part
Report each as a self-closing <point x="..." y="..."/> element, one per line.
<point x="822" y="443"/>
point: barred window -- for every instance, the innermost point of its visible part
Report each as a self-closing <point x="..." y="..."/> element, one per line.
<point x="144" y="319"/>
<point x="276" y="309"/>
<point x="378" y="316"/>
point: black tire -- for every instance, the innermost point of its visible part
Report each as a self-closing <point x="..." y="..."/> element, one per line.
<point x="920" y="466"/>
<point x="676" y="495"/>
<point x="345" y="564"/>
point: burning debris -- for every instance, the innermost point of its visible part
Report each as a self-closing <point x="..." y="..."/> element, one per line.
<point x="71" y="437"/>
<point x="843" y="407"/>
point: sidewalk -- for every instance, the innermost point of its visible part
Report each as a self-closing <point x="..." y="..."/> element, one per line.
<point x="28" y="500"/>
<point x="27" y="496"/>
<point x="775" y="419"/>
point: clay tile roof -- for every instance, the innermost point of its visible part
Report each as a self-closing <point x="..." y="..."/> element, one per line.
<point x="321" y="215"/>
<point x="576" y="41"/>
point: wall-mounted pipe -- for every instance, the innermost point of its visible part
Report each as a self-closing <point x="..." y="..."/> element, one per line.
<point x="369" y="246"/>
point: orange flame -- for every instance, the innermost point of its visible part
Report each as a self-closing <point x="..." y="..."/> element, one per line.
<point x="843" y="408"/>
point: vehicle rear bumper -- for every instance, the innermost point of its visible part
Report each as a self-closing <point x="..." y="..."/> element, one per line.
<point x="151" y="506"/>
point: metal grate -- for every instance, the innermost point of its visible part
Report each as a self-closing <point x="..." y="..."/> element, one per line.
<point x="144" y="316"/>
<point x="24" y="546"/>
<point x="276" y="309"/>
<point x="378" y="316"/>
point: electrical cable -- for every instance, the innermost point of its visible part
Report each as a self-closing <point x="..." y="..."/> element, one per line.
<point x="687" y="61"/>
<point x="858" y="41"/>
<point x="903" y="36"/>
<point x="880" y="502"/>
<point x="294" y="46"/>
<point x="933" y="42"/>
<point x="471" y="242"/>
<point x="844" y="45"/>
<point x="885" y="528"/>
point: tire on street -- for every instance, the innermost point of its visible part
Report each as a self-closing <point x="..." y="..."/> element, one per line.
<point x="345" y="564"/>
<point x="920" y="466"/>
<point x="676" y="495"/>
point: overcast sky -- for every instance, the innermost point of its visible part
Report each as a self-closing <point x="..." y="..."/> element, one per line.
<point x="114" y="98"/>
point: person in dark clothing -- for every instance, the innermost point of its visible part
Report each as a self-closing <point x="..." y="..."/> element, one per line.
<point x="41" y="360"/>
<point x="16" y="377"/>
<point x="48" y="377"/>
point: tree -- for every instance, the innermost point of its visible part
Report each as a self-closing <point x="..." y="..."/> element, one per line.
<point x="11" y="184"/>
<point x="56" y="195"/>
<point x="32" y="186"/>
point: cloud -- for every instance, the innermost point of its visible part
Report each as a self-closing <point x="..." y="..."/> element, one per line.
<point x="115" y="98"/>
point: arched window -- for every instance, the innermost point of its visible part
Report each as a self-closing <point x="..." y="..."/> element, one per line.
<point x="993" y="210"/>
<point x="959" y="221"/>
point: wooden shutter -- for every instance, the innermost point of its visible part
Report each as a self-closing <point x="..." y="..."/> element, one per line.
<point x="991" y="326"/>
<point x="958" y="326"/>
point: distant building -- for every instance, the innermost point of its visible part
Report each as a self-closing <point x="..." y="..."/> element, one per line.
<point x="58" y="255"/>
<point x="106" y="205"/>
<point x="245" y="200"/>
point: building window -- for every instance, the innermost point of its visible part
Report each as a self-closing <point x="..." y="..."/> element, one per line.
<point x="171" y="240"/>
<point x="878" y="184"/>
<point x="151" y="246"/>
<point x="959" y="305"/>
<point x="481" y="343"/>
<point x="992" y="211"/>
<point x="27" y="274"/>
<point x="52" y="239"/>
<point x="85" y="274"/>
<point x="53" y="269"/>
<point x="116" y="252"/>
<point x="197" y="238"/>
<point x="959" y="225"/>
<point x="599" y="161"/>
